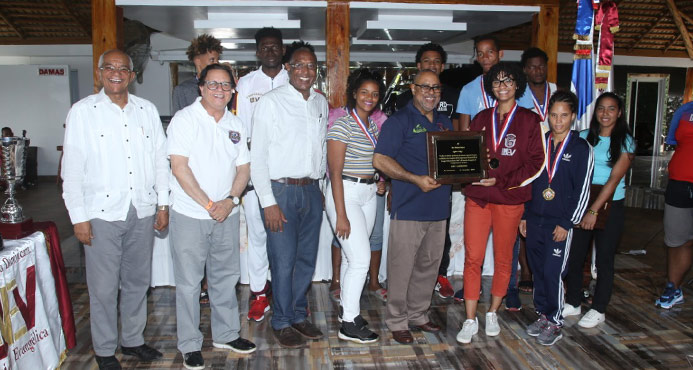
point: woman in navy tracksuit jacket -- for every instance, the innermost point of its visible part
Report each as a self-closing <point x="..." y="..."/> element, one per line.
<point x="560" y="196"/>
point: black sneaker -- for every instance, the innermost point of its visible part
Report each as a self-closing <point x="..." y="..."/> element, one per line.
<point x="144" y="352"/>
<point x="107" y="363"/>
<point x="239" y="345"/>
<point x="357" y="332"/>
<point x="341" y="313"/>
<point x="193" y="360"/>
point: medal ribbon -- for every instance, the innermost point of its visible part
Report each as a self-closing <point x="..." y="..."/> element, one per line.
<point x="497" y="138"/>
<point x="542" y="110"/>
<point x="488" y="100"/>
<point x="363" y="127"/>
<point x="551" y="169"/>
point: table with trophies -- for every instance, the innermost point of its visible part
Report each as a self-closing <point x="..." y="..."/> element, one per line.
<point x="37" y="321"/>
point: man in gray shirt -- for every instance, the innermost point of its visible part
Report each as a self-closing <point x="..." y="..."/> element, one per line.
<point x="203" y="51"/>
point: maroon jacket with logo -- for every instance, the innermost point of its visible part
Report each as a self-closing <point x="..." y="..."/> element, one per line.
<point x="521" y="155"/>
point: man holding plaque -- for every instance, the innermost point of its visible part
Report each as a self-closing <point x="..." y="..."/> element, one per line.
<point x="420" y="207"/>
<point x="115" y="172"/>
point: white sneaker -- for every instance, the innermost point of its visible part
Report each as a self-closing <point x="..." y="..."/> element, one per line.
<point x="591" y="319"/>
<point x="570" y="310"/>
<point x="469" y="329"/>
<point x="492" y="327"/>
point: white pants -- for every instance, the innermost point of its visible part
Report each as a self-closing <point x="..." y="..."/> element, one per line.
<point x="360" y="204"/>
<point x="258" y="264"/>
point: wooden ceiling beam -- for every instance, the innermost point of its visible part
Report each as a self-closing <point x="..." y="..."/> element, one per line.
<point x="642" y="36"/>
<point x="11" y="25"/>
<point x="682" y="27"/>
<point x="73" y="15"/>
<point x="672" y="42"/>
<point x="686" y="17"/>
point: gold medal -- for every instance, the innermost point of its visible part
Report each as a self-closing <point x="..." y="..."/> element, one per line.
<point x="548" y="194"/>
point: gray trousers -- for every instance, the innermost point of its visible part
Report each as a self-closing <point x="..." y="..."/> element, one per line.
<point x="195" y="244"/>
<point x="416" y="248"/>
<point x="120" y="256"/>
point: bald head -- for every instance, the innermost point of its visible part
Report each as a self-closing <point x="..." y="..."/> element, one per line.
<point x="425" y="72"/>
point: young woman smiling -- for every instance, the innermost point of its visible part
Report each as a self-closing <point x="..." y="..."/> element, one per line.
<point x="351" y="198"/>
<point x="516" y="146"/>
<point x="613" y="153"/>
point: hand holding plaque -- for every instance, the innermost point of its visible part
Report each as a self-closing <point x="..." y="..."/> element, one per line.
<point x="457" y="156"/>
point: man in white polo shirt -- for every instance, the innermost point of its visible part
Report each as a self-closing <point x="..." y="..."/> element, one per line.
<point x="210" y="163"/>
<point x="271" y="74"/>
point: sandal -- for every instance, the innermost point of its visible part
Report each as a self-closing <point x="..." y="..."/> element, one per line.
<point x="381" y="294"/>
<point x="204" y="298"/>
<point x="526" y="286"/>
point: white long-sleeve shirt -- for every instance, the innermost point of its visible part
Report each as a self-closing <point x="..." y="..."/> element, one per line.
<point x="288" y="139"/>
<point x="112" y="158"/>
<point x="250" y="88"/>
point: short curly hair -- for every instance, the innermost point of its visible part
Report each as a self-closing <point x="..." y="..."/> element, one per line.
<point x="533" y="53"/>
<point x="508" y="69"/>
<point x="357" y="78"/>
<point x="203" y="44"/>
<point x="296" y="46"/>
<point x="432" y="47"/>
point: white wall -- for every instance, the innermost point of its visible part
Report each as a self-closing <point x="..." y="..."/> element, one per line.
<point x="38" y="104"/>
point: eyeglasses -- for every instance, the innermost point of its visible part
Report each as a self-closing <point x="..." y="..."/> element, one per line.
<point x="112" y="69"/>
<point x="214" y="85"/>
<point x="310" y="66"/>
<point x="428" y="88"/>
<point x="507" y="82"/>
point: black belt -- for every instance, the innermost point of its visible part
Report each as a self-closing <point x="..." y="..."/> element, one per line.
<point x="359" y="180"/>
<point x="249" y="188"/>
<point x="292" y="181"/>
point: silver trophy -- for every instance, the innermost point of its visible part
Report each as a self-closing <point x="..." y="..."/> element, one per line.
<point x="13" y="171"/>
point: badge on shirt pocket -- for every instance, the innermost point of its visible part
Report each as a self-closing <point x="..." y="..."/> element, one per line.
<point x="235" y="136"/>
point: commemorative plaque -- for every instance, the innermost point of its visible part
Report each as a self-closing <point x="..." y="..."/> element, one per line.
<point x="456" y="156"/>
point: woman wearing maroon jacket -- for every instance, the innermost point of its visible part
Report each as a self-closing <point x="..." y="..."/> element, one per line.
<point x="516" y="146"/>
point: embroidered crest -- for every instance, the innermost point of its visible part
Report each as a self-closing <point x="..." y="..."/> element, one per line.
<point x="235" y="136"/>
<point x="419" y="129"/>
<point x="510" y="140"/>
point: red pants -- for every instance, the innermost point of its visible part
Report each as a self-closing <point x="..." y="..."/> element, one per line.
<point x="504" y="219"/>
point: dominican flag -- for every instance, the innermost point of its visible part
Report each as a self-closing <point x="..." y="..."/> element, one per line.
<point x="582" y="82"/>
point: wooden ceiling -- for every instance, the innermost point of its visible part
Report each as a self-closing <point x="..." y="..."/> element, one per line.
<point x="647" y="27"/>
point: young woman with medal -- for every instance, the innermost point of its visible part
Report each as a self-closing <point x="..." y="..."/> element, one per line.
<point x="351" y="197"/>
<point x="516" y="146"/>
<point x="613" y="146"/>
<point x="560" y="196"/>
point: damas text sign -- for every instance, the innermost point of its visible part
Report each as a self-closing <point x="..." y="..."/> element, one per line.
<point x="51" y="71"/>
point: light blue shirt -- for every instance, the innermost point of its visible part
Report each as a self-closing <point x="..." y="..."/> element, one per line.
<point x="602" y="171"/>
<point x="471" y="99"/>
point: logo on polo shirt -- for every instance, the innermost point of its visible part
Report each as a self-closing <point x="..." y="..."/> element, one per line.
<point x="557" y="252"/>
<point x="235" y="136"/>
<point x="419" y="129"/>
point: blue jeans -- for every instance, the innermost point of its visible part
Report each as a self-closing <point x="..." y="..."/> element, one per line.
<point x="512" y="285"/>
<point x="292" y="252"/>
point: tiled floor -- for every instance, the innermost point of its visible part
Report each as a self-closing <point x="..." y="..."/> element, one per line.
<point x="635" y="335"/>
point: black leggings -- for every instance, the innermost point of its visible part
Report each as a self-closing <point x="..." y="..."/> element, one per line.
<point x="607" y="241"/>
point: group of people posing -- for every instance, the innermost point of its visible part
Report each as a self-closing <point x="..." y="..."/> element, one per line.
<point x="284" y="156"/>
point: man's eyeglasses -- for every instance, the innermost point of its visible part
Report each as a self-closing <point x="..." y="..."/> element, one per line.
<point x="112" y="69"/>
<point x="429" y="88"/>
<point x="214" y="85"/>
<point x="507" y="82"/>
<point x="310" y="66"/>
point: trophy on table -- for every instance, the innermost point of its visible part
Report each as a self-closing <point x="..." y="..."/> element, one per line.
<point x="13" y="224"/>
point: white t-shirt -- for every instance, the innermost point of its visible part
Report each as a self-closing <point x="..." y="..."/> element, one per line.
<point x="213" y="149"/>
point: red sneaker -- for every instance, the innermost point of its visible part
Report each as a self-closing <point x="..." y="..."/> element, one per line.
<point x="444" y="288"/>
<point x="258" y="306"/>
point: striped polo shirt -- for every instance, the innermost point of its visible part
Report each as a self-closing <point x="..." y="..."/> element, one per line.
<point x="358" y="159"/>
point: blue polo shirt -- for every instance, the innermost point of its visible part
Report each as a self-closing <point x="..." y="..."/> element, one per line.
<point x="403" y="138"/>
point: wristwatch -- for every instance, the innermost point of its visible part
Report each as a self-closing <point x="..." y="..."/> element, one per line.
<point x="162" y="208"/>
<point x="236" y="200"/>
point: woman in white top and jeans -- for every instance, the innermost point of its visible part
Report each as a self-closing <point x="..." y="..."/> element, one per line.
<point x="351" y="198"/>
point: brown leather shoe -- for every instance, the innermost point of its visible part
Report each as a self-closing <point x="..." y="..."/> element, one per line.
<point x="288" y="337"/>
<point x="308" y="330"/>
<point x="429" y="327"/>
<point x="402" y="336"/>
